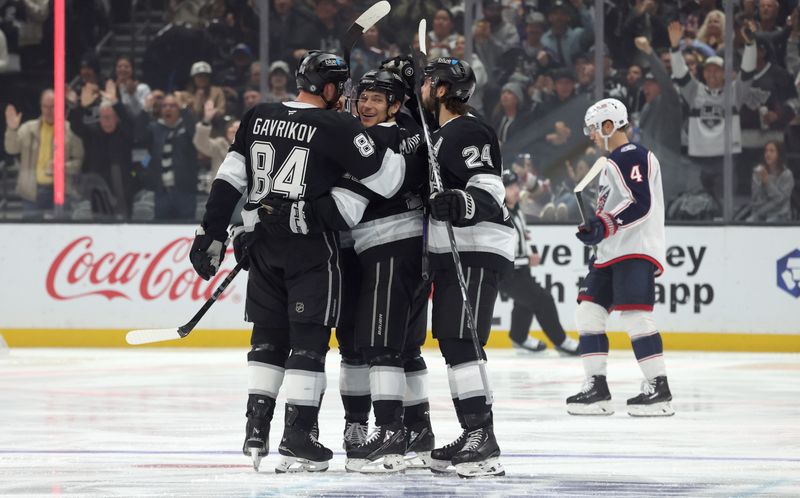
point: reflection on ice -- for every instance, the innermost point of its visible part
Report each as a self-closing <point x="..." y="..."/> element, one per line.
<point x="144" y="422"/>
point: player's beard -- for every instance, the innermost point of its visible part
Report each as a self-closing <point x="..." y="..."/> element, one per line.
<point x="427" y="103"/>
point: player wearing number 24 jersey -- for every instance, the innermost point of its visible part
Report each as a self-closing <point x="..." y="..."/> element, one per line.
<point x="291" y="151"/>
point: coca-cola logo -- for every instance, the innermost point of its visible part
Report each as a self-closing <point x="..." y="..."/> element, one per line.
<point x="78" y="271"/>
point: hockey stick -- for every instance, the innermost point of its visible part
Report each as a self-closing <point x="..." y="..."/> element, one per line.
<point x="594" y="172"/>
<point x="368" y="19"/>
<point x="436" y="186"/>
<point x="147" y="336"/>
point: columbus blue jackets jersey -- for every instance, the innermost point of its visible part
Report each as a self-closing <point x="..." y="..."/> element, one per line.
<point x="630" y="191"/>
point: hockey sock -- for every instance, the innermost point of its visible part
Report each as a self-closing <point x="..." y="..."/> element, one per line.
<point x="451" y="380"/>
<point x="649" y="351"/>
<point x="415" y="401"/>
<point x="471" y="396"/>
<point x="266" y="360"/>
<point x="465" y="376"/>
<point x="387" y="384"/>
<point x="354" y="388"/>
<point x="594" y="353"/>
<point x="305" y="373"/>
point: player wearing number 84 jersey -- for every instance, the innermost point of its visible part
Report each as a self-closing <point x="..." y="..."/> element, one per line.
<point x="296" y="151"/>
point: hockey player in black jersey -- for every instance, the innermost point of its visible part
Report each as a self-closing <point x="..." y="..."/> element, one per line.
<point x="468" y="153"/>
<point x="391" y="316"/>
<point x="296" y="151"/>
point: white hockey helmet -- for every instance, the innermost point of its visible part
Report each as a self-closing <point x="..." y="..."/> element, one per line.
<point x="605" y="110"/>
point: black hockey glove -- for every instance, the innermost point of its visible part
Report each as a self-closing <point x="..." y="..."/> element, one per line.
<point x="597" y="229"/>
<point x="242" y="241"/>
<point x="283" y="216"/>
<point x="455" y="206"/>
<point x="206" y="254"/>
<point x="404" y="65"/>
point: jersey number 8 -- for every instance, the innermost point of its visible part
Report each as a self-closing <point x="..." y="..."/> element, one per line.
<point x="288" y="180"/>
<point x="364" y="145"/>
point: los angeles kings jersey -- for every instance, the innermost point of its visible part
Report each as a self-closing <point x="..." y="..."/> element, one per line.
<point x="376" y="222"/>
<point x="295" y="151"/>
<point x="469" y="158"/>
<point x="630" y="191"/>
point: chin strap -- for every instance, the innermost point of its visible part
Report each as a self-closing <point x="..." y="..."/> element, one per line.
<point x="605" y="137"/>
<point x="330" y="104"/>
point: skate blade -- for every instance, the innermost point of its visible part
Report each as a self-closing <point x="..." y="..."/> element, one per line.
<point x="488" y="468"/>
<point x="601" y="408"/>
<point x="663" y="409"/>
<point x="386" y="464"/>
<point x="256" y="456"/>
<point x="290" y="465"/>
<point x="418" y="460"/>
<point x="442" y="467"/>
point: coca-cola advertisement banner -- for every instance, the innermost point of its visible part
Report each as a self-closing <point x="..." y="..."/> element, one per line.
<point x="110" y="276"/>
<point x="716" y="279"/>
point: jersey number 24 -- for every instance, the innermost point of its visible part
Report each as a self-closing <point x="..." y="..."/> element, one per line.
<point x="475" y="158"/>
<point x="288" y="180"/>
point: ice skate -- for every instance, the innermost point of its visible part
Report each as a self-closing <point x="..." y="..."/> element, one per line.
<point x="479" y="457"/>
<point x="568" y="348"/>
<point x="355" y="434"/>
<point x="529" y="345"/>
<point x="382" y="452"/>
<point x="654" y="401"/>
<point x="256" y="439"/>
<point x="302" y="452"/>
<point x="594" y="398"/>
<point x="441" y="458"/>
<point x="420" y="444"/>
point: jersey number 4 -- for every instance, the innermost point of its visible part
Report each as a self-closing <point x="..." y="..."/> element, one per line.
<point x="288" y="180"/>
<point x="636" y="175"/>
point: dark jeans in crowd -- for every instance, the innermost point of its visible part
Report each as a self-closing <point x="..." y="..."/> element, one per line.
<point x="712" y="171"/>
<point x="175" y="205"/>
<point x="43" y="202"/>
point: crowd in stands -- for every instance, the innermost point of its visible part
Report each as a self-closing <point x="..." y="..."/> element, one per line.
<point x="145" y="142"/>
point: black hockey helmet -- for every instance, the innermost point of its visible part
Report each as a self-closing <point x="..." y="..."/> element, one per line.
<point x="383" y="80"/>
<point x="317" y="68"/>
<point x="456" y="73"/>
<point x="509" y="177"/>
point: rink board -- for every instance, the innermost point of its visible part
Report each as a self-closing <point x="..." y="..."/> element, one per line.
<point x="724" y="288"/>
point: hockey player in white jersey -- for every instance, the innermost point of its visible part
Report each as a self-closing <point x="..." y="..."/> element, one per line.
<point x="628" y="230"/>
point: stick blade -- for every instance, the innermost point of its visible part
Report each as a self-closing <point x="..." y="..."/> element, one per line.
<point x="595" y="170"/>
<point x="422" y="33"/>
<point x="368" y="19"/>
<point x="373" y="14"/>
<point x="149" y="336"/>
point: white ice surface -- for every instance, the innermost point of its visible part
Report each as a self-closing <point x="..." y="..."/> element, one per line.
<point x="127" y="422"/>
